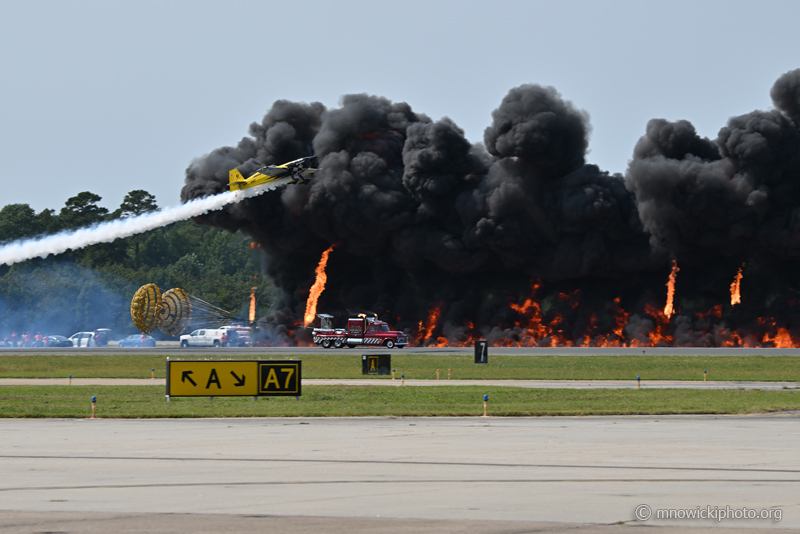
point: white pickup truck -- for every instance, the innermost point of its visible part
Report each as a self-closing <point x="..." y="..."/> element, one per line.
<point x="203" y="338"/>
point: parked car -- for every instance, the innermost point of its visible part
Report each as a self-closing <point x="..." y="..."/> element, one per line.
<point x="138" y="340"/>
<point x="57" y="341"/>
<point x="98" y="338"/>
<point x="83" y="339"/>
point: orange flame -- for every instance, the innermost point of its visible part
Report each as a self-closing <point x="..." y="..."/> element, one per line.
<point x="782" y="340"/>
<point x="660" y="333"/>
<point x="736" y="295"/>
<point x="317" y="288"/>
<point x="557" y="320"/>
<point x="253" y="305"/>
<point x="620" y="319"/>
<point x="668" y="310"/>
<point x="430" y="324"/>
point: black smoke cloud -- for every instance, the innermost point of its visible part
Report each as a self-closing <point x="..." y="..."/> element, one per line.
<point x="535" y="124"/>
<point x="737" y="196"/>
<point x="421" y="217"/>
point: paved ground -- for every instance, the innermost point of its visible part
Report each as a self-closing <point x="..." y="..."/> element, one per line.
<point x="176" y="351"/>
<point x="555" y="474"/>
<point x="104" y="523"/>
<point x="547" y="384"/>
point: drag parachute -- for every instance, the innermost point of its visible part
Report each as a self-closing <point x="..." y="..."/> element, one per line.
<point x="145" y="308"/>
<point x="174" y="311"/>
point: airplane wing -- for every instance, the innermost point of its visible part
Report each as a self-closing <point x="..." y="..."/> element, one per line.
<point x="273" y="171"/>
<point x="269" y="185"/>
<point x="275" y="184"/>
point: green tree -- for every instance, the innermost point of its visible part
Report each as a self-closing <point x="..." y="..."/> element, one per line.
<point x="155" y="250"/>
<point x="82" y="210"/>
<point x="18" y="221"/>
<point x="136" y="203"/>
<point x="186" y="271"/>
<point x="104" y="254"/>
<point x="49" y="221"/>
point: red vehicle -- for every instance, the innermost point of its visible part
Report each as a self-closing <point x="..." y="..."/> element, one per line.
<point x="361" y="330"/>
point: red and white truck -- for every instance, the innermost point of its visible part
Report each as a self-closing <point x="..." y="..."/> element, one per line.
<point x="361" y="330"/>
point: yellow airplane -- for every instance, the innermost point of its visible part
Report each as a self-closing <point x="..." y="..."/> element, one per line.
<point x="293" y="172"/>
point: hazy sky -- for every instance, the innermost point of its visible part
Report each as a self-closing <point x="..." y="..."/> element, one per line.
<point x="113" y="96"/>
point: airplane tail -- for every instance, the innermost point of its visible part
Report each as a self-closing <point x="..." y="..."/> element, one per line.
<point x="236" y="180"/>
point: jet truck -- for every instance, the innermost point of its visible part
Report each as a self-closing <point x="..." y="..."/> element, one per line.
<point x="361" y="330"/>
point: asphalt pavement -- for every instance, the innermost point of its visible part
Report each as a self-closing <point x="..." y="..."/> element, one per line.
<point x="421" y="475"/>
<point x="174" y="350"/>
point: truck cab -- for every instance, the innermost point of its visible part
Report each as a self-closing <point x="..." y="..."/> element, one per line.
<point x="361" y="330"/>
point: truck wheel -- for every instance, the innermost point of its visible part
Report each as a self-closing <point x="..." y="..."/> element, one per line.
<point x="184" y="344"/>
<point x="216" y="343"/>
<point x="326" y="343"/>
<point x="338" y="343"/>
<point x="389" y="344"/>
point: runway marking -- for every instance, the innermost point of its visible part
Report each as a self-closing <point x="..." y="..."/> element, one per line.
<point x="405" y="481"/>
<point x="404" y="462"/>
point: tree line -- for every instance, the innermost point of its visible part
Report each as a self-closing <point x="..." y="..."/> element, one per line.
<point x="91" y="288"/>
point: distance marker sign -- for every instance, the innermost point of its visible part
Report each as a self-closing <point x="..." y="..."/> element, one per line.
<point x="279" y="378"/>
<point x="192" y="378"/>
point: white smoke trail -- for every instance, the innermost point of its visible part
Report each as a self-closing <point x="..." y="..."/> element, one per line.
<point x="26" y="249"/>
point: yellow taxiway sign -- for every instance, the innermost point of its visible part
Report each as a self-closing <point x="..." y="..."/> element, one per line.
<point x="204" y="378"/>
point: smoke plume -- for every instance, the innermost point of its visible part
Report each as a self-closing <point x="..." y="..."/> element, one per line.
<point x="426" y="223"/>
<point x="26" y="249"/>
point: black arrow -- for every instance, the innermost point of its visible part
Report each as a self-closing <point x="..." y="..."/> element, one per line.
<point x="239" y="381"/>
<point x="185" y="376"/>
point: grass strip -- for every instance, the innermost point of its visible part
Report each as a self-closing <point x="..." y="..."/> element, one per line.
<point x="330" y="401"/>
<point x="339" y="364"/>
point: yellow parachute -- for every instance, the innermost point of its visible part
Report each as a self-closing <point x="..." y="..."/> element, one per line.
<point x="173" y="312"/>
<point x="145" y="308"/>
<point x="176" y="312"/>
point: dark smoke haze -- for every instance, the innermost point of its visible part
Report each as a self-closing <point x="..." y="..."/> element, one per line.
<point x="421" y="217"/>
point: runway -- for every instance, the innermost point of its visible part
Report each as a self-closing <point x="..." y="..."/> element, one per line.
<point x="559" y="474"/>
<point x="172" y="349"/>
